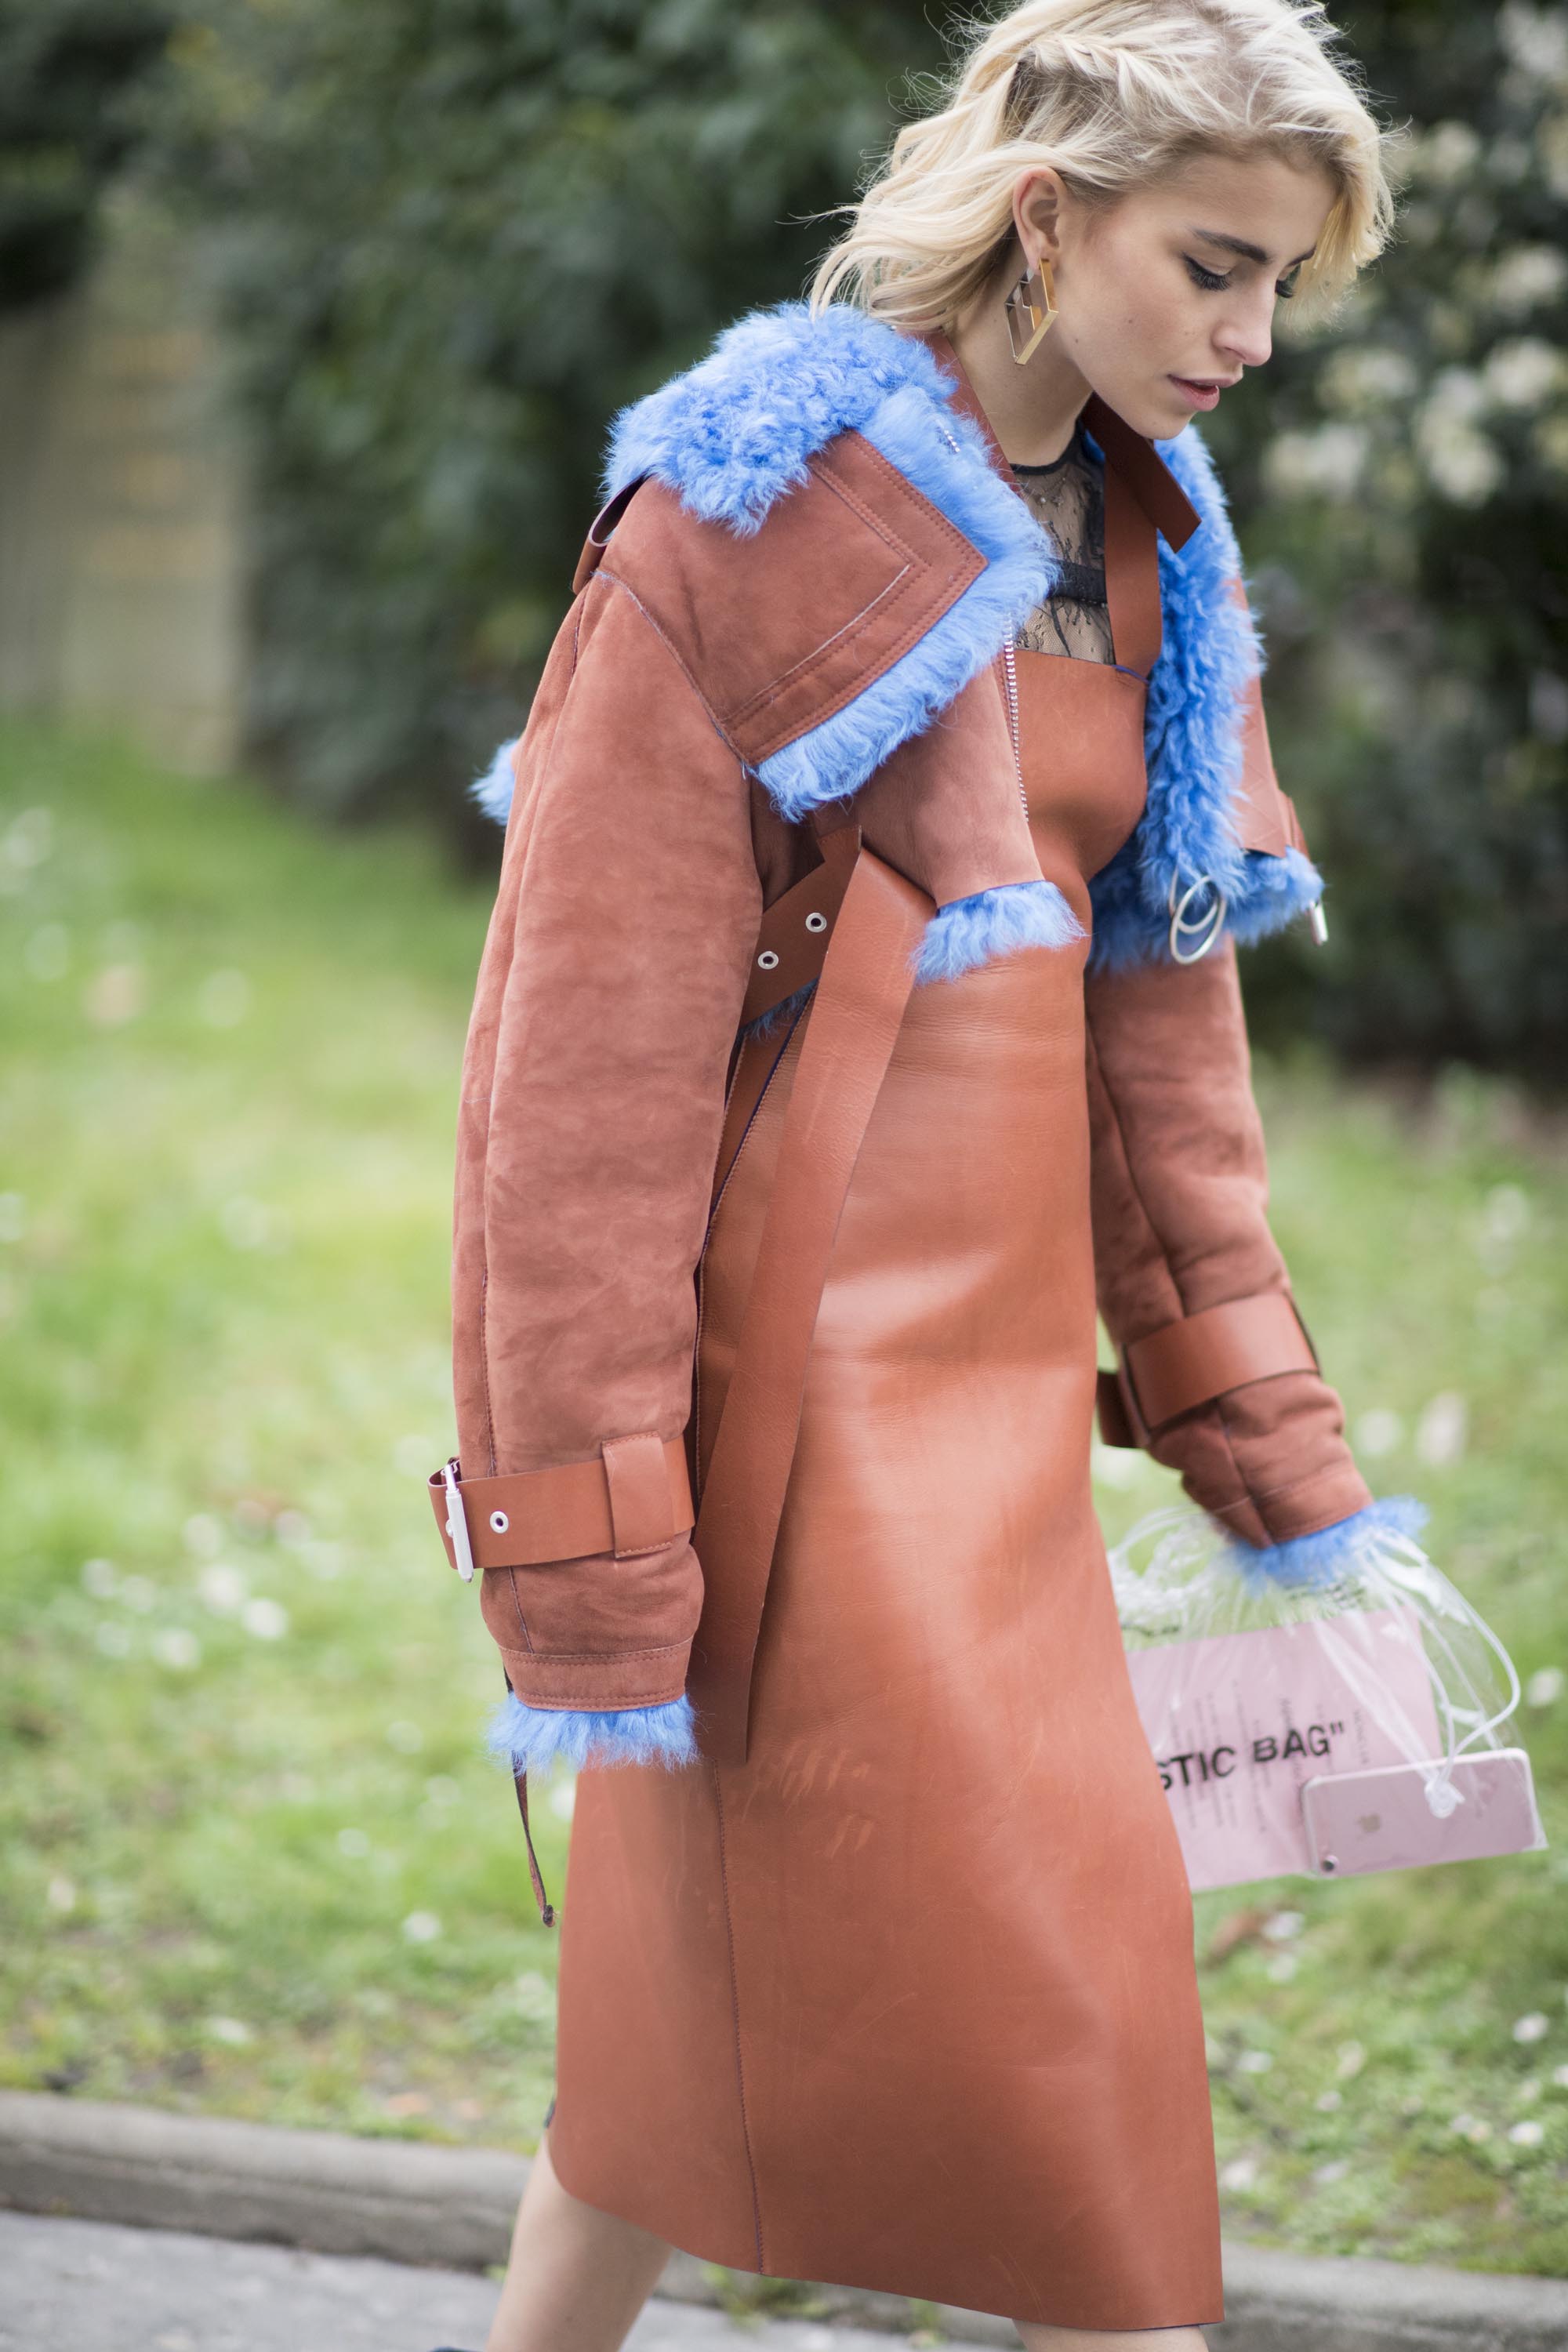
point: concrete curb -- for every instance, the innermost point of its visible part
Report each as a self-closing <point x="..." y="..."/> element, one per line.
<point x="413" y="2202"/>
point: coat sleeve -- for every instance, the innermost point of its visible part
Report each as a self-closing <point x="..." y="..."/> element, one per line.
<point x="609" y="993"/>
<point x="1180" y="1201"/>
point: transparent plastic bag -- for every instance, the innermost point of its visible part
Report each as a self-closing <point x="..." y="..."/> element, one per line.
<point x="1334" y="1706"/>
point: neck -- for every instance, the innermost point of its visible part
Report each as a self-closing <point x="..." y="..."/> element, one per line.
<point x="1031" y="409"/>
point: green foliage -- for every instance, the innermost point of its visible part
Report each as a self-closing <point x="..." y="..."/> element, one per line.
<point x="454" y="240"/>
<point x="252" y="1859"/>
<point x="69" y="70"/>
<point x="457" y="240"/>
<point x="1403" y="486"/>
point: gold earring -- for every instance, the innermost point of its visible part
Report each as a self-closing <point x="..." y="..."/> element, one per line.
<point x="1031" y="316"/>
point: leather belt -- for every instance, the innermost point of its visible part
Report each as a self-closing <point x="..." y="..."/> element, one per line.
<point x="633" y="1497"/>
<point x="1190" y="1362"/>
<point x="856" y="1018"/>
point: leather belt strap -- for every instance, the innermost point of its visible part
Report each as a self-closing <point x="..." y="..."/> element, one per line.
<point x="792" y="943"/>
<point x="856" y="1017"/>
<point x="632" y="1498"/>
<point x="1131" y="577"/>
<point x="1188" y="1363"/>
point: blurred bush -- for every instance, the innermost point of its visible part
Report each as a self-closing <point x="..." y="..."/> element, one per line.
<point x="67" y="70"/>
<point x="451" y="241"/>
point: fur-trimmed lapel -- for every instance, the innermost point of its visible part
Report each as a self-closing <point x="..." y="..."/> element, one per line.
<point x="734" y="435"/>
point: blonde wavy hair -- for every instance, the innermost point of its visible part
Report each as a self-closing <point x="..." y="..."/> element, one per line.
<point x="1115" y="94"/>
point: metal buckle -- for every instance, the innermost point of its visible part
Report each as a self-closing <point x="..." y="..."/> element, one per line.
<point x="458" y="1521"/>
<point x="1209" y="922"/>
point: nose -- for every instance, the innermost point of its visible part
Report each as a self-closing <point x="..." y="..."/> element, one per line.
<point x="1246" y="335"/>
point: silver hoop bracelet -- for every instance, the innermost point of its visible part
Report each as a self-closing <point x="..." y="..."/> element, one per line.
<point x="1208" y="923"/>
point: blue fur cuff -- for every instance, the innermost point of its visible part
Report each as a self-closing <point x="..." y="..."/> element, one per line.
<point x="527" y="1739"/>
<point x="1318" y="1559"/>
<point x="989" y="923"/>
<point x="492" y="790"/>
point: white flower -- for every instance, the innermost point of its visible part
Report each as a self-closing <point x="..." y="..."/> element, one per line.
<point x="267" y="1620"/>
<point x="1533" y="2027"/>
<point x="1326" y="463"/>
<point x="1460" y="462"/>
<point x="224" y="1588"/>
<point x="175" y="1647"/>
<point x="1378" y="1431"/>
<point x="229" y="2030"/>
<point x="1523" y="372"/>
<point x="1443" y="1428"/>
<point x="1328" y="2102"/>
<point x="1239" y="2173"/>
<point x="1560" y="2076"/>
<point x="1365" y="376"/>
<point x="1328" y="2173"/>
<point x="562" y="1798"/>
<point x="1544" y="1688"/>
<point x="1255" y="2061"/>
<point x="1351" y="2058"/>
<point x="1536" y="39"/>
<point x="421" y="1928"/>
<point x="61" y="1893"/>
<point x="1280" y="1925"/>
<point x="1527" y="276"/>
<point x="1447" y="152"/>
<point x="1527" y="2134"/>
<point x="535" y="1996"/>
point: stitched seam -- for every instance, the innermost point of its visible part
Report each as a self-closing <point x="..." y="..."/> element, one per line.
<point x="606" y="1657"/>
<point x="517" y="1605"/>
<point x="899" y="584"/>
<point x="933" y="610"/>
<point x="614" y="580"/>
<point x="735" y="2015"/>
<point x="912" y="564"/>
<point x="485" y="1362"/>
<point x="1112" y="1105"/>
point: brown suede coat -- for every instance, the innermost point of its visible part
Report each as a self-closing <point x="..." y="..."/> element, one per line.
<point x="907" y="1998"/>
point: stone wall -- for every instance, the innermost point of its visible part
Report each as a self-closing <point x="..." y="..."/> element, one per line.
<point x="121" y="502"/>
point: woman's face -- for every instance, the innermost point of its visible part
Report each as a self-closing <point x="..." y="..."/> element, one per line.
<point x="1166" y="297"/>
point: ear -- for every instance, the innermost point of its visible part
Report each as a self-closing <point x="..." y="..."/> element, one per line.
<point x="1038" y="200"/>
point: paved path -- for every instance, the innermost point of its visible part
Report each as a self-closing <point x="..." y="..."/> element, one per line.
<point x="91" y="2286"/>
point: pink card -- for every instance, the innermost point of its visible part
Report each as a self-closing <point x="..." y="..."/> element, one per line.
<point x="1239" y="1721"/>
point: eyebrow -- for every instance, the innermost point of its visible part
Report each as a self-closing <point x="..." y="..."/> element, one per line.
<point x="1248" y="252"/>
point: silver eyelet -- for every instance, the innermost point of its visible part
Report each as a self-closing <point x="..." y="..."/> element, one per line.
<point x="816" y="922"/>
<point x="1209" y="922"/>
<point x="767" y="960"/>
<point x="500" y="1521"/>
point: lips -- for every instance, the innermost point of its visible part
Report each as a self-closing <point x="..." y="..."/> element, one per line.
<point x="1203" y="391"/>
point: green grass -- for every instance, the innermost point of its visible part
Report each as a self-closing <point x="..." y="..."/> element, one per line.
<point x="253" y="1861"/>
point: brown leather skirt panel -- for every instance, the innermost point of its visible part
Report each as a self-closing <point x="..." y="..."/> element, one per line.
<point x="908" y="2000"/>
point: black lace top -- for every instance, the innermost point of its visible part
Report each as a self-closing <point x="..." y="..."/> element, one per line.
<point x="1068" y="497"/>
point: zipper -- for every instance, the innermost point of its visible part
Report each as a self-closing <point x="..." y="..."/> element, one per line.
<point x="1010" y="678"/>
<point x="1010" y="672"/>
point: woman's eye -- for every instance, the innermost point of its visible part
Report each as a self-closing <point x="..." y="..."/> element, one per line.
<point x="1286" y="287"/>
<point x="1212" y="281"/>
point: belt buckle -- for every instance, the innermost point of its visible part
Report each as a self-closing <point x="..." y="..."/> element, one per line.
<point x="458" y="1520"/>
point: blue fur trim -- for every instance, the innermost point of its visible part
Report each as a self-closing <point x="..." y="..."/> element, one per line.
<point x="780" y="1015"/>
<point x="527" y="1739"/>
<point x="493" y="789"/>
<point x="1318" y="1559"/>
<point x="973" y="930"/>
<point x="1192" y="739"/>
<point x="835" y="758"/>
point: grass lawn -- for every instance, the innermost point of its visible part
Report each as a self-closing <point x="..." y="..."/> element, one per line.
<point x="253" y="1861"/>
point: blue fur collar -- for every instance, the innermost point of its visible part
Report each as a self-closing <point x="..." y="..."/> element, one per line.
<point x="733" y="434"/>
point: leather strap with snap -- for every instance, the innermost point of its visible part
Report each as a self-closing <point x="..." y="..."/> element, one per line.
<point x="1190" y="1362"/>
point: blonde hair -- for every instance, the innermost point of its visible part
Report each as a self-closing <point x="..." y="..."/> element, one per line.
<point x="1114" y="94"/>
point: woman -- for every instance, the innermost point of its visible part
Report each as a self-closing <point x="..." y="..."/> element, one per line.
<point x="914" y="634"/>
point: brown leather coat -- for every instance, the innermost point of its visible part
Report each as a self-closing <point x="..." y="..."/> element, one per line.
<point x="901" y="1992"/>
